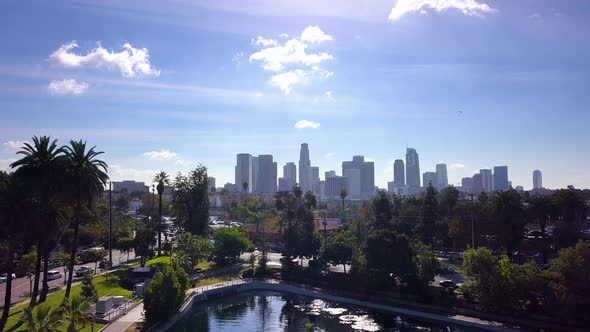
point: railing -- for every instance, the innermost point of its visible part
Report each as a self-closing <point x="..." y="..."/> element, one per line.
<point x="119" y="311"/>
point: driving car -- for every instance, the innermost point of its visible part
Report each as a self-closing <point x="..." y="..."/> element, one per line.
<point x="53" y="274"/>
<point x="84" y="270"/>
<point x="448" y="284"/>
<point x="4" y="277"/>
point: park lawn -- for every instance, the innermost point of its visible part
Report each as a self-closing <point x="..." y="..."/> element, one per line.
<point x="158" y="260"/>
<point x="104" y="287"/>
<point x="205" y="265"/>
<point x="209" y="281"/>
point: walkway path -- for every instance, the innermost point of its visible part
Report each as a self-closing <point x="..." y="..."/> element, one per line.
<point x="125" y="321"/>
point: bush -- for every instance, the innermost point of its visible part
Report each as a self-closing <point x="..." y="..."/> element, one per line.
<point x="230" y="242"/>
<point x="88" y="290"/>
<point x="165" y="294"/>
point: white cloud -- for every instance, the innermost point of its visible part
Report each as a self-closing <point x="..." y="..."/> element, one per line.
<point x="467" y="7"/>
<point x="302" y="124"/>
<point x="163" y="154"/>
<point x="182" y="162"/>
<point x="13" y="146"/>
<point x="456" y="166"/>
<point x="329" y="155"/>
<point x="535" y="16"/>
<point x="118" y="173"/>
<point x="284" y="35"/>
<point x="286" y="81"/>
<point x="237" y="58"/>
<point x="67" y="87"/>
<point x="5" y="164"/>
<point x="313" y="34"/>
<point x="130" y="61"/>
<point x="291" y="52"/>
<point x="261" y="41"/>
<point x="258" y="94"/>
<point x="328" y="94"/>
<point x="321" y="72"/>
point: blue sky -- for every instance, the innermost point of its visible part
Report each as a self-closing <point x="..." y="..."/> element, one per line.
<point x="470" y="83"/>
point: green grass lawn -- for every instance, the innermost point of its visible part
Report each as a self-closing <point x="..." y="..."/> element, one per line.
<point x="103" y="287"/>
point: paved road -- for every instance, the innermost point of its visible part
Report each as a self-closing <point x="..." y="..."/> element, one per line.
<point x="275" y="257"/>
<point x="21" y="286"/>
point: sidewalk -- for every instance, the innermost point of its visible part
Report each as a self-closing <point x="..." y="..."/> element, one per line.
<point x="125" y="321"/>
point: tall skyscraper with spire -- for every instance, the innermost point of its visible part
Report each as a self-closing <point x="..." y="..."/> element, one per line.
<point x="304" y="168"/>
<point x="412" y="169"/>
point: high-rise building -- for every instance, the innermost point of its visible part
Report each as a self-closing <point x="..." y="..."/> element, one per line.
<point x="354" y="182"/>
<point x="211" y="181"/>
<point x="537" y="179"/>
<point x="486" y="180"/>
<point x="304" y="168"/>
<point x="255" y="176"/>
<point x="412" y="168"/>
<point x="130" y="186"/>
<point x="467" y="185"/>
<point x="442" y="181"/>
<point x="334" y="184"/>
<point x="399" y="177"/>
<point x="367" y="173"/>
<point x="329" y="174"/>
<point x="315" y="179"/>
<point x="267" y="174"/>
<point x="286" y="184"/>
<point x="429" y="178"/>
<point x="290" y="171"/>
<point x="477" y="186"/>
<point x="243" y="171"/>
<point x="501" y="178"/>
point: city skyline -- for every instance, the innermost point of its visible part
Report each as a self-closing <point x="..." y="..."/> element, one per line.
<point x="164" y="87"/>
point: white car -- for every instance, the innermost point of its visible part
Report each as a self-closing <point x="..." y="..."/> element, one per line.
<point x="53" y="274"/>
<point x="4" y="277"/>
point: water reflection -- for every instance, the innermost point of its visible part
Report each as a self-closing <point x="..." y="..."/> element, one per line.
<point x="269" y="311"/>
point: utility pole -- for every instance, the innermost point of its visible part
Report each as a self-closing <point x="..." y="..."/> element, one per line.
<point x="472" y="224"/>
<point x="110" y="223"/>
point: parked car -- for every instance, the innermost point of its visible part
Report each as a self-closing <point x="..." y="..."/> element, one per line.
<point x="448" y="284"/>
<point x="84" y="270"/>
<point x="53" y="274"/>
<point x="4" y="277"/>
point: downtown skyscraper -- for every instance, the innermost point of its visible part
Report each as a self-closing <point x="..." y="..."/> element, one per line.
<point x="399" y="175"/>
<point x="537" y="179"/>
<point x="442" y="180"/>
<point x="412" y="169"/>
<point x="501" y="178"/>
<point x="243" y="172"/>
<point x="304" y="169"/>
<point x="366" y="172"/>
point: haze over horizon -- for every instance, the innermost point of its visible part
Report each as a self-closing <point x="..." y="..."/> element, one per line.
<point x="469" y="83"/>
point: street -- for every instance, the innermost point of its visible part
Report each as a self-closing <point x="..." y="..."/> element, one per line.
<point x="21" y="286"/>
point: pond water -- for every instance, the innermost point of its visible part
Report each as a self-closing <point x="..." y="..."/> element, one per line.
<point x="270" y="311"/>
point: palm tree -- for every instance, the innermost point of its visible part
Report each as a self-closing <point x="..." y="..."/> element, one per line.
<point x="41" y="166"/>
<point x="541" y="209"/>
<point x="571" y="205"/>
<point x="75" y="312"/>
<point x="343" y="194"/>
<point x="245" y="188"/>
<point x="87" y="176"/>
<point x="162" y="179"/>
<point x="509" y="211"/>
<point x="43" y="318"/>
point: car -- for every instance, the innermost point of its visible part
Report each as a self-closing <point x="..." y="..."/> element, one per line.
<point x="448" y="284"/>
<point x="4" y="277"/>
<point x="53" y="275"/>
<point x="84" y="270"/>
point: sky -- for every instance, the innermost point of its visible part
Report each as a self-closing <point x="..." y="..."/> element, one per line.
<point x="170" y="85"/>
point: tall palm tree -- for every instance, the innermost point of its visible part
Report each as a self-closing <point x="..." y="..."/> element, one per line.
<point x="41" y="166"/>
<point x="509" y="212"/>
<point x="75" y="312"/>
<point x="87" y="177"/>
<point x="43" y="318"/>
<point x="541" y="209"/>
<point x="571" y="204"/>
<point x="343" y="194"/>
<point x="162" y="179"/>
<point x="245" y="190"/>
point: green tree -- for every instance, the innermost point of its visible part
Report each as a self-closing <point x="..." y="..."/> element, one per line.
<point x="125" y="245"/>
<point x="568" y="282"/>
<point x="429" y="216"/>
<point x="541" y="209"/>
<point x="191" y="249"/>
<point x="389" y="254"/>
<point x="230" y="243"/>
<point x="87" y="176"/>
<point x="88" y="291"/>
<point x="340" y="249"/>
<point x="43" y="318"/>
<point x="162" y="179"/>
<point x="93" y="255"/>
<point x="449" y="197"/>
<point x="165" y="294"/>
<point x="145" y="238"/>
<point x="75" y="312"/>
<point x="573" y="210"/>
<point x="343" y="194"/>
<point x="42" y="167"/>
<point x="191" y="201"/>
<point x="508" y="211"/>
<point x="381" y="212"/>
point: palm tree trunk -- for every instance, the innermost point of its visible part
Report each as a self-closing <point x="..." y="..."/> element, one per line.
<point x="45" y="288"/>
<point x="160" y="227"/>
<point x="37" y="275"/>
<point x="8" y="294"/>
<point x="74" y="247"/>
